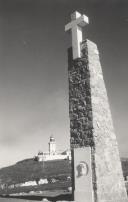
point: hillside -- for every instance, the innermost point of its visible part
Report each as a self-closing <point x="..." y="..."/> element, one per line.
<point x="28" y="170"/>
<point x="57" y="173"/>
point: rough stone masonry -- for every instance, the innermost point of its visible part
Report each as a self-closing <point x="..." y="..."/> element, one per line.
<point x="91" y="124"/>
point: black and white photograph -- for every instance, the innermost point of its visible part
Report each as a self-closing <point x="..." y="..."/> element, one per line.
<point x="64" y="100"/>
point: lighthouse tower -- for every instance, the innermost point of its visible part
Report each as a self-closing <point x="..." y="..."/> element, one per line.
<point x="52" y="146"/>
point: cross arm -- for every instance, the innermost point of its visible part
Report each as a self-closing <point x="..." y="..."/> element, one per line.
<point x="81" y="21"/>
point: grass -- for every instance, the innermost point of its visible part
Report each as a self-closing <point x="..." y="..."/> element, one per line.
<point x="55" y="186"/>
<point x="29" y="170"/>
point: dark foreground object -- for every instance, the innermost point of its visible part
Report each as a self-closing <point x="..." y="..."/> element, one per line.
<point x="62" y="197"/>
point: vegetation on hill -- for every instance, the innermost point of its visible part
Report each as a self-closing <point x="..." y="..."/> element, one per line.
<point x="29" y="170"/>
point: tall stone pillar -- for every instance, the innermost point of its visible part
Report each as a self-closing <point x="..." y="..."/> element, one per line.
<point x="97" y="166"/>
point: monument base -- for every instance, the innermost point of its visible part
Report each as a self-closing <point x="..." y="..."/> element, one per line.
<point x="82" y="179"/>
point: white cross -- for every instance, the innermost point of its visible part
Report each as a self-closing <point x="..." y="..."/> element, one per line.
<point x="78" y="21"/>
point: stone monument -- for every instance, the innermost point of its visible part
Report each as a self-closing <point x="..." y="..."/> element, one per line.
<point x="97" y="172"/>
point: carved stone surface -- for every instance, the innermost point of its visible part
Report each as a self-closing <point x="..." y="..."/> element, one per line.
<point x="80" y="109"/>
<point x="91" y="124"/>
<point x="83" y="175"/>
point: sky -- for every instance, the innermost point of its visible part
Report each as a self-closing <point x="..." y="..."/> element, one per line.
<point x="34" y="76"/>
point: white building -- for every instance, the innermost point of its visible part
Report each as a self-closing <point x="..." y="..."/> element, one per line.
<point x="43" y="181"/>
<point x="52" y="154"/>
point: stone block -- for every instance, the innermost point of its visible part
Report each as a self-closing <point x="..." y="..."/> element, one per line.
<point x="91" y="124"/>
<point x="83" y="190"/>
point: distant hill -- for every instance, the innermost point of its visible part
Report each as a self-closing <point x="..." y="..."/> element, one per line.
<point x="29" y="170"/>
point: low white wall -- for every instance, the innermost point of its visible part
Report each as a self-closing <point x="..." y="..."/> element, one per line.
<point x="53" y="157"/>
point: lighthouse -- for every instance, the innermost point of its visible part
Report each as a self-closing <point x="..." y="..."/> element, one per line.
<point x="52" y="154"/>
<point x="52" y="146"/>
